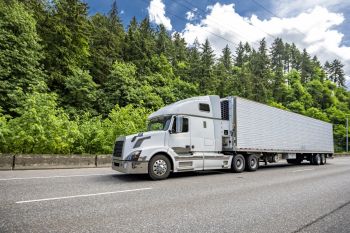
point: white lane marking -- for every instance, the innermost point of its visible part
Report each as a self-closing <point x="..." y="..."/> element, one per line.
<point x="307" y="169"/>
<point x="50" y="177"/>
<point x="83" y="195"/>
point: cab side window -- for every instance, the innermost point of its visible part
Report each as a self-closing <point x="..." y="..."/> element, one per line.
<point x="185" y="125"/>
<point x="184" y="128"/>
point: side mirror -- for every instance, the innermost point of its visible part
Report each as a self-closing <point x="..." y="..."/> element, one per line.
<point x="170" y="131"/>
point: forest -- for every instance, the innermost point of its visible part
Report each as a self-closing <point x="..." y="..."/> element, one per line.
<point x="71" y="82"/>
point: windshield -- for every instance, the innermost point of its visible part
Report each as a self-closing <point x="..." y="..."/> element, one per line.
<point x="160" y="123"/>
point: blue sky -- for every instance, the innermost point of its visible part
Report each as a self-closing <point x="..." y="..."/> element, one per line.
<point x="320" y="26"/>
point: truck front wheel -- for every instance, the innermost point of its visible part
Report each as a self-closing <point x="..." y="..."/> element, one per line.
<point x="238" y="163"/>
<point x="252" y="163"/>
<point x="159" y="167"/>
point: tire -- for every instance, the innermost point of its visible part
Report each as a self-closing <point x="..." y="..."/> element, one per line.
<point x="323" y="159"/>
<point x="238" y="164"/>
<point x="252" y="163"/>
<point x="316" y="159"/>
<point x="159" y="167"/>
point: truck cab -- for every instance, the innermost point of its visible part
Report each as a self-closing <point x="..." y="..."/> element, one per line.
<point x="184" y="136"/>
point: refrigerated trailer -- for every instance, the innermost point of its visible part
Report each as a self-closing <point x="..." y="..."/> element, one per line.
<point x="206" y="132"/>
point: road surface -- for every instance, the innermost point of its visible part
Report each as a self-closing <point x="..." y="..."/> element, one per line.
<point x="278" y="198"/>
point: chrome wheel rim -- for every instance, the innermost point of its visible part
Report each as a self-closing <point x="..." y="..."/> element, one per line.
<point x="239" y="163"/>
<point x="318" y="159"/>
<point x="252" y="163"/>
<point x="160" y="167"/>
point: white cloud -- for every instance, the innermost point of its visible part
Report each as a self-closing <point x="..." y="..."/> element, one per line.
<point x="122" y="12"/>
<point x="284" y="8"/>
<point x="312" y="29"/>
<point x="189" y="15"/>
<point x="156" y="12"/>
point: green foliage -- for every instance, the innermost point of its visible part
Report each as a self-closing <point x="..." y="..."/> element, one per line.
<point x="20" y="54"/>
<point x="316" y="113"/>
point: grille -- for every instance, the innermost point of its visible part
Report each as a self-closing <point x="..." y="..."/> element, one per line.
<point x="118" y="149"/>
<point x="224" y="110"/>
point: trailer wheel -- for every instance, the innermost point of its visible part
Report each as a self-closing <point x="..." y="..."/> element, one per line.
<point x="238" y="163"/>
<point x="252" y="163"/>
<point x="316" y="159"/>
<point x="323" y="159"/>
<point x="159" y="167"/>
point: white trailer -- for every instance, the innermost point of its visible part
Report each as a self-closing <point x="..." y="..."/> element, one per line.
<point x="207" y="132"/>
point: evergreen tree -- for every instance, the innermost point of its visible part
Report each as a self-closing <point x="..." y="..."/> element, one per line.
<point x="260" y="67"/>
<point x="207" y="81"/>
<point x="194" y="61"/>
<point x="278" y="66"/>
<point x="306" y="67"/>
<point x="106" y="39"/>
<point x="336" y="72"/>
<point x="224" y="70"/>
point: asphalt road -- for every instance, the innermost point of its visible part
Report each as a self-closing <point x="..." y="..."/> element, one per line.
<point x="279" y="198"/>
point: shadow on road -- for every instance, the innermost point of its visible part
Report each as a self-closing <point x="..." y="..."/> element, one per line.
<point x="144" y="177"/>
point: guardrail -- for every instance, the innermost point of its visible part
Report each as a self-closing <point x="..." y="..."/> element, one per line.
<point x="33" y="161"/>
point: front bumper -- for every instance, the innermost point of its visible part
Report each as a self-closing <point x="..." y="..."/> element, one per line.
<point x="130" y="167"/>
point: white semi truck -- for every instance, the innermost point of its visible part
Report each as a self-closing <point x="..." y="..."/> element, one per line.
<point x="206" y="132"/>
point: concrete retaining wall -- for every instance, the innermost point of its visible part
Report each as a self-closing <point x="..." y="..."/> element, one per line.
<point x="22" y="161"/>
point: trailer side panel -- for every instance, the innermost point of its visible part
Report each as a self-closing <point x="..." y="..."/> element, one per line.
<point x="263" y="128"/>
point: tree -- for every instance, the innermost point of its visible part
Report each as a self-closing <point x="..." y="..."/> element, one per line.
<point x="66" y="42"/>
<point x="207" y="82"/>
<point x="194" y="61"/>
<point x="278" y="67"/>
<point x="336" y="72"/>
<point x="20" y="55"/>
<point x="120" y="87"/>
<point x="224" y="70"/>
<point x="306" y="67"/>
<point x="260" y="68"/>
<point x="106" y="47"/>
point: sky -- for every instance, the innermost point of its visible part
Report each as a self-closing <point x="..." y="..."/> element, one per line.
<point x="320" y="26"/>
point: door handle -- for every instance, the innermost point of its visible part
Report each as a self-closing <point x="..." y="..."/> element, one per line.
<point x="187" y="146"/>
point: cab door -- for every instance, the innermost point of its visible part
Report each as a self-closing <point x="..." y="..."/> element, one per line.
<point x="181" y="143"/>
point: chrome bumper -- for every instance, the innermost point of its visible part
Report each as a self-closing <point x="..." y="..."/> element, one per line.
<point x="130" y="167"/>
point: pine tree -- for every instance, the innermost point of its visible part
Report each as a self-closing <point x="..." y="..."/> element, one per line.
<point x="106" y="39"/>
<point x="194" y="61"/>
<point x="207" y="82"/>
<point x="239" y="61"/>
<point x="306" y="67"/>
<point x="277" y="65"/>
<point x="260" y="68"/>
<point x="224" y="70"/>
<point x="336" y="72"/>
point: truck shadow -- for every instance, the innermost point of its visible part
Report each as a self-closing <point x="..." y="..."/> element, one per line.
<point x="145" y="177"/>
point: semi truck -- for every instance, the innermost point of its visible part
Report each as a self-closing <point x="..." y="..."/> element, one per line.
<point x="233" y="133"/>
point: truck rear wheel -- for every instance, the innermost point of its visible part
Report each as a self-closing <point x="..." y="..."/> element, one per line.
<point x="316" y="159"/>
<point x="159" y="167"/>
<point x="252" y="163"/>
<point x="323" y="159"/>
<point x="238" y="164"/>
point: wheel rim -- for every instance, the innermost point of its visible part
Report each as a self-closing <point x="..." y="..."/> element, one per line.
<point x="318" y="159"/>
<point x="160" y="167"/>
<point x="252" y="163"/>
<point x="239" y="163"/>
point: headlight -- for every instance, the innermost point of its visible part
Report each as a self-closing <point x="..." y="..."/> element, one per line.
<point x="134" y="156"/>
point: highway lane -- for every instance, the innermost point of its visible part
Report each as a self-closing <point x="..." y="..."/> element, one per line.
<point x="278" y="198"/>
